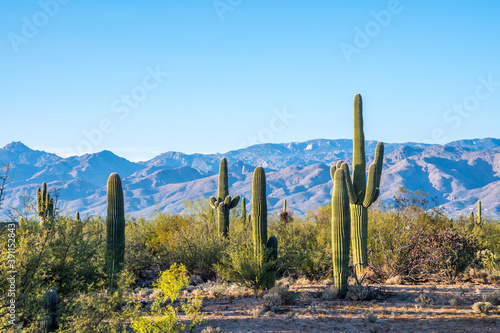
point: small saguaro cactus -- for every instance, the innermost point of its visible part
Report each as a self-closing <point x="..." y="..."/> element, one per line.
<point x="285" y="216"/>
<point x="223" y="203"/>
<point x="115" y="231"/>
<point x="243" y="210"/>
<point x="77" y="217"/>
<point x="479" y="221"/>
<point x="49" y="320"/>
<point x="341" y="229"/>
<point x="362" y="192"/>
<point x="259" y="217"/>
<point x="472" y="219"/>
<point x="44" y="206"/>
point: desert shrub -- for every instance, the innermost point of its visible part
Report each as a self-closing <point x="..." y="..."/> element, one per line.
<point x="304" y="244"/>
<point x="188" y="239"/>
<point x="285" y="217"/>
<point x="214" y="288"/>
<point x="164" y="312"/>
<point x="425" y="300"/>
<point x="278" y="295"/>
<point x="360" y="293"/>
<point x="394" y="231"/>
<point x="330" y="293"/>
<point x="139" y="254"/>
<point x="371" y="317"/>
<point x="164" y="230"/>
<point x="488" y="235"/>
<point x="493" y="298"/>
<point x="239" y="265"/>
<point x="68" y="258"/>
<point x="397" y="279"/>
<point x="482" y="307"/>
<point x="99" y="312"/>
<point x="487" y="260"/>
<point x="448" y="251"/>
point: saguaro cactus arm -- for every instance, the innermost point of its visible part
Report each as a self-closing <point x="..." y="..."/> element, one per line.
<point x="353" y="198"/>
<point x="213" y="202"/>
<point x="234" y="202"/>
<point x="371" y="190"/>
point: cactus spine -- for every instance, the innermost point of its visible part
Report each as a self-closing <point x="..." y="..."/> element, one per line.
<point x="44" y="205"/>
<point x="49" y="321"/>
<point x="115" y="231"/>
<point x="362" y="193"/>
<point x="259" y="219"/>
<point x="341" y="229"/>
<point x="223" y="203"/>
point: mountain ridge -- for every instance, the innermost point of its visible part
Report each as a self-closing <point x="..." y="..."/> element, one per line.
<point x="458" y="174"/>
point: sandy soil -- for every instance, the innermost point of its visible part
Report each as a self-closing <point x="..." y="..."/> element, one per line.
<point x="396" y="311"/>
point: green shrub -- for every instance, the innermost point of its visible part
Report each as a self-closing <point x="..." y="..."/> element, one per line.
<point x="139" y="254"/>
<point x="164" y="316"/>
<point x="239" y="265"/>
<point x="394" y="231"/>
<point x="68" y="257"/>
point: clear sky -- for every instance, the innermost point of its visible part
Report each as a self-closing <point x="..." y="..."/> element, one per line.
<point x="144" y="77"/>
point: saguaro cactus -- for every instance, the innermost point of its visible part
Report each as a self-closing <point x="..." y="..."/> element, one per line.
<point x="472" y="219"/>
<point x="49" y="320"/>
<point x="284" y="206"/>
<point x="259" y="212"/>
<point x="479" y="221"/>
<point x="77" y="216"/>
<point x="243" y="210"/>
<point x="259" y="219"/>
<point x="115" y="231"/>
<point x="223" y="203"/>
<point x="44" y="205"/>
<point x="341" y="230"/>
<point x="362" y="193"/>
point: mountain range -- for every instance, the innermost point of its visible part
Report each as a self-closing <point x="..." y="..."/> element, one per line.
<point x="458" y="174"/>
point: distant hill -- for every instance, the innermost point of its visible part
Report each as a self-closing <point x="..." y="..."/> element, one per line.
<point x="458" y="174"/>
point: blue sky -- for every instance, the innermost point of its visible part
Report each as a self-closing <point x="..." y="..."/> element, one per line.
<point x="141" y="78"/>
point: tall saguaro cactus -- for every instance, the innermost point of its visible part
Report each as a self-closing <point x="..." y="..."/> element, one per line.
<point x="44" y="205"/>
<point x="115" y="231"/>
<point x="259" y="212"/>
<point x="223" y="203"/>
<point x="362" y="192"/>
<point x="259" y="220"/>
<point x="341" y="229"/>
